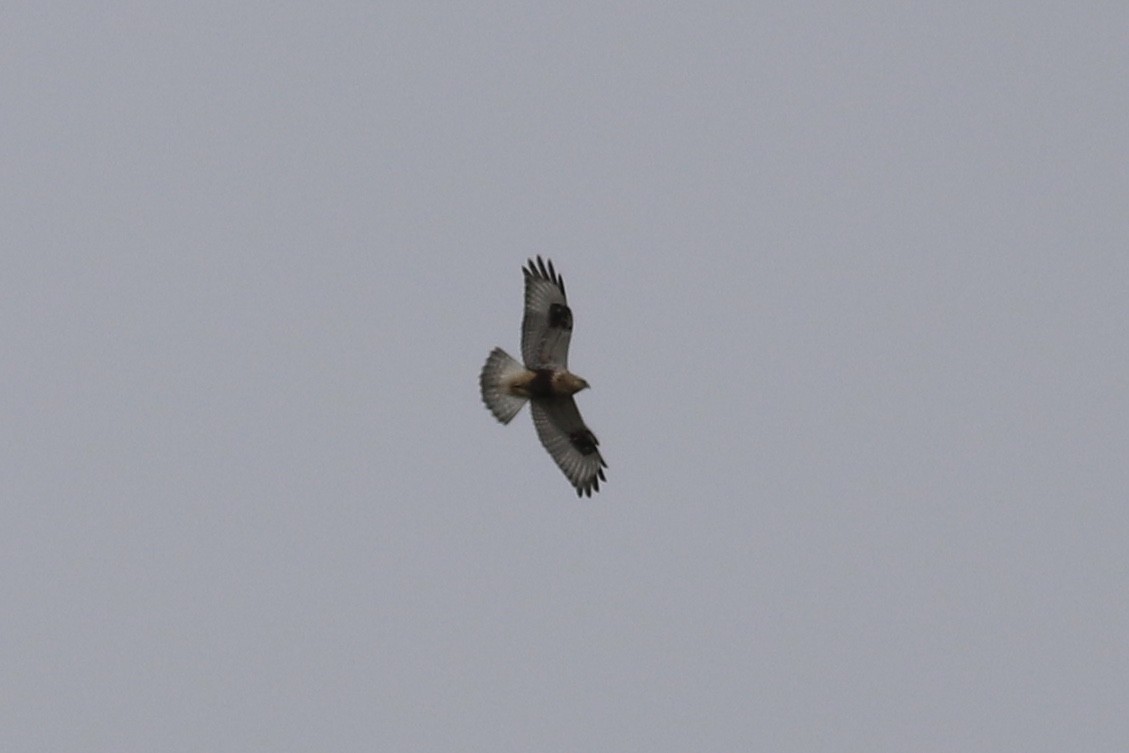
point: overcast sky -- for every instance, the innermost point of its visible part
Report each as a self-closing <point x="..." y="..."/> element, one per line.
<point x="850" y="284"/>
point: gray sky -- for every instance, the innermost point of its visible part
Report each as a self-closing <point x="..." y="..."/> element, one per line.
<point x="851" y="284"/>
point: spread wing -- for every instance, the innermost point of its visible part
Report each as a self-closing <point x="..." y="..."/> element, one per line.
<point x="547" y="325"/>
<point x="569" y="441"/>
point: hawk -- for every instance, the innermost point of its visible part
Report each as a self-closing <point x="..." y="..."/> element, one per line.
<point x="545" y="381"/>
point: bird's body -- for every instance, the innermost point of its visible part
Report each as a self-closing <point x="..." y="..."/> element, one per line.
<point x="545" y="381"/>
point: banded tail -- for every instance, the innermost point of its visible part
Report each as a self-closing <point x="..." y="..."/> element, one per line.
<point x="500" y="370"/>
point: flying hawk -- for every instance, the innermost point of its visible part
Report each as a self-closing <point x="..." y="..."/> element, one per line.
<point x="545" y="381"/>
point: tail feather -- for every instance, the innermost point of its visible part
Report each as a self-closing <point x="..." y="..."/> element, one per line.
<point x="500" y="368"/>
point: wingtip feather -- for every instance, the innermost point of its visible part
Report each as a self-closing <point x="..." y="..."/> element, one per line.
<point x="539" y="268"/>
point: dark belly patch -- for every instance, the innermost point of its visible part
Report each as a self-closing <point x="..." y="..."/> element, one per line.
<point x="541" y="385"/>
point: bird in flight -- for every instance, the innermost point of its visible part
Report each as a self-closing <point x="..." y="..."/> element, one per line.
<point x="545" y="381"/>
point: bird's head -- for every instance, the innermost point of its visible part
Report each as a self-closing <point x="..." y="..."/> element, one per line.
<point x="567" y="383"/>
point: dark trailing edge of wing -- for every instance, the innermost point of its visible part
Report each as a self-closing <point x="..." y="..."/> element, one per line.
<point x="544" y="272"/>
